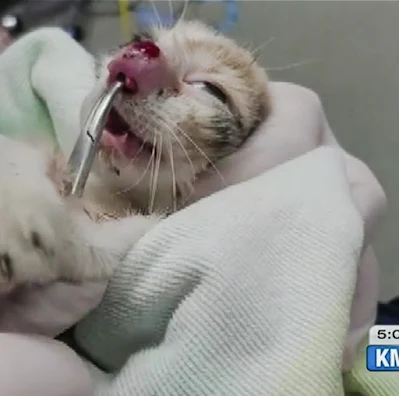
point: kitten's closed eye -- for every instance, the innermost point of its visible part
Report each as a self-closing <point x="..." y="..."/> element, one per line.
<point x="211" y="89"/>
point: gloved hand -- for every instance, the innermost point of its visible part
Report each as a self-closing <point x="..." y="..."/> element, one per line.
<point x="38" y="366"/>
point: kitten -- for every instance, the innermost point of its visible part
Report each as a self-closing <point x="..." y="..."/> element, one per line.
<point x="192" y="96"/>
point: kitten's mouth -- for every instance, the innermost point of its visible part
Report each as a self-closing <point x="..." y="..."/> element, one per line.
<point x="120" y="138"/>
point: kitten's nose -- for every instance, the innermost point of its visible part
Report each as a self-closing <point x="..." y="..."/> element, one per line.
<point x="143" y="69"/>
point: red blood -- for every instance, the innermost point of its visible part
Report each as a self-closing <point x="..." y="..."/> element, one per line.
<point x="130" y="85"/>
<point x="148" y="48"/>
<point x="133" y="65"/>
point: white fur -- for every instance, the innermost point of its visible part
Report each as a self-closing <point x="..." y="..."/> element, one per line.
<point x="77" y="248"/>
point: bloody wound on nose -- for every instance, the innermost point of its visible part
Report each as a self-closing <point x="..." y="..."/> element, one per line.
<point x="134" y="57"/>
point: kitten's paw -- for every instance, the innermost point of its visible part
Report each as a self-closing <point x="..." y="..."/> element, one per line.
<point x="32" y="219"/>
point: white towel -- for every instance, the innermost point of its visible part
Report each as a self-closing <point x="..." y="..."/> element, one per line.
<point x="246" y="292"/>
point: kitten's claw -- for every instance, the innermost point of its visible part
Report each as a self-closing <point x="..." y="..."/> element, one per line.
<point x="6" y="267"/>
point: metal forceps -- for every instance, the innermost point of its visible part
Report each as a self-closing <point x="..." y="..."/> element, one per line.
<point x="82" y="157"/>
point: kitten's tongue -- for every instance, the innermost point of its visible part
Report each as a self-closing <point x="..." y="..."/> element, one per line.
<point x="117" y="135"/>
<point x="128" y="144"/>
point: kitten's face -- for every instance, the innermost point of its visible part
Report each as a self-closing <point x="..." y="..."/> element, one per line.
<point x="216" y="95"/>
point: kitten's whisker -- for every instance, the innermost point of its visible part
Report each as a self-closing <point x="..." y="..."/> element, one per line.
<point x="185" y="152"/>
<point x="156" y="13"/>
<point x="256" y="52"/>
<point x="172" y="167"/>
<point x="183" y="12"/>
<point x="171" y="12"/>
<point x="161" y="117"/>
<point x="151" y="185"/>
<point x="293" y="65"/>
<point x="156" y="174"/>
<point x="170" y="129"/>
<point x="138" y="152"/>
<point x="209" y="161"/>
<point x="151" y="181"/>
<point x="139" y="179"/>
<point x="131" y="162"/>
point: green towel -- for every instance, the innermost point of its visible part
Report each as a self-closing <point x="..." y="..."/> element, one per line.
<point x="44" y="78"/>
